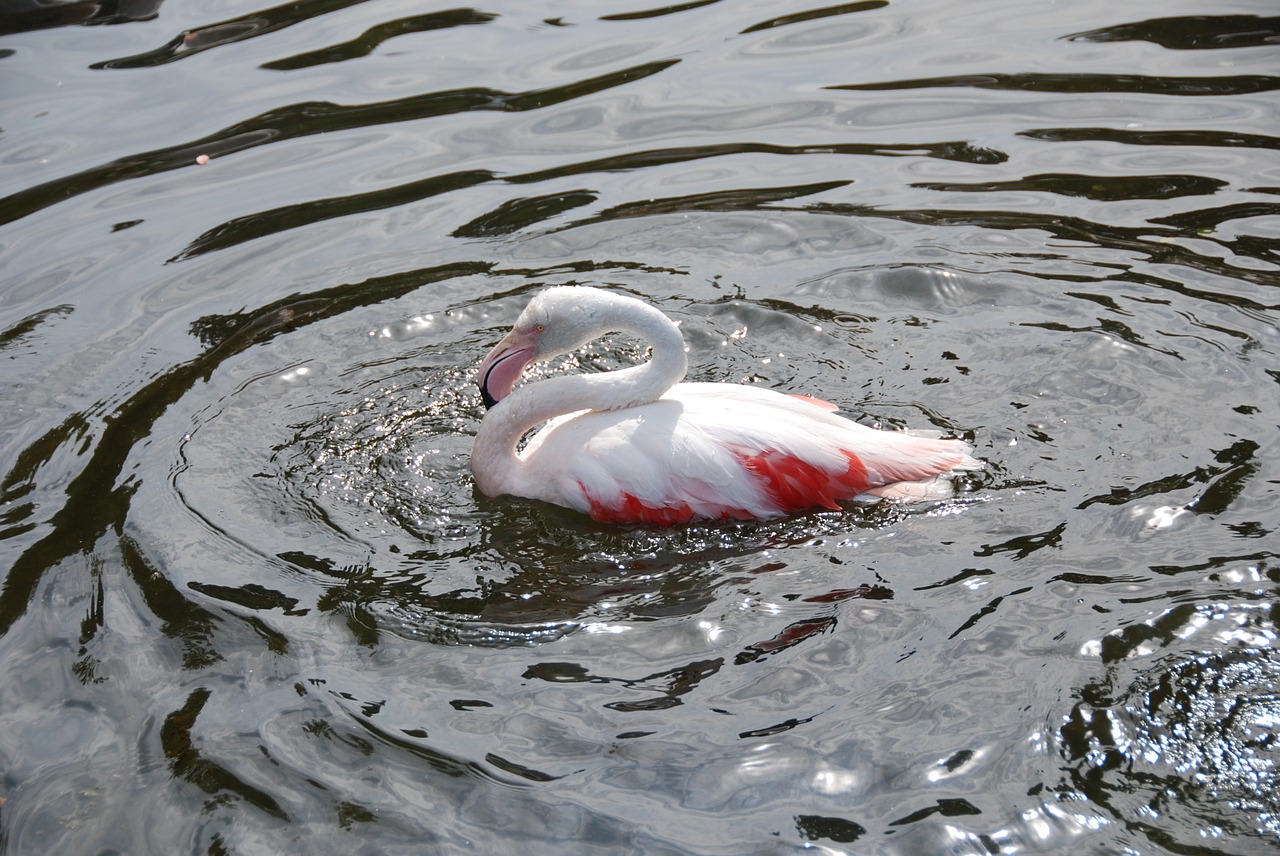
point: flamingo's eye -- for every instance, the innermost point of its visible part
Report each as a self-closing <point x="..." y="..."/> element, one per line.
<point x="538" y="328"/>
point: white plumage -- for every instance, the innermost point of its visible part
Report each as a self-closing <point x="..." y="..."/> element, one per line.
<point x="635" y="445"/>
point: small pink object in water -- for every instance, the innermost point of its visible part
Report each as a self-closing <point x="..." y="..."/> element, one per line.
<point x="202" y="159"/>
<point x="638" y="446"/>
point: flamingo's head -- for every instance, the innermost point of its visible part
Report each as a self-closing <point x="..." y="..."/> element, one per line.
<point x="557" y="321"/>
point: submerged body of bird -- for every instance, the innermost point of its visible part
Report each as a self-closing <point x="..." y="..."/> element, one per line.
<point x="638" y="446"/>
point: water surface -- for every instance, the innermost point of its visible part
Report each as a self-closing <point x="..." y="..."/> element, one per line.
<point x="250" y="257"/>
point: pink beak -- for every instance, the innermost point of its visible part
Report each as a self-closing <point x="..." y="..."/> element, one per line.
<point x="501" y="367"/>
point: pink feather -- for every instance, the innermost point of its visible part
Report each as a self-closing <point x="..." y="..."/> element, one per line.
<point x="636" y="446"/>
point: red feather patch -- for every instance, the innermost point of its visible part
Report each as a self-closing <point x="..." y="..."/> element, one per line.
<point x="795" y="484"/>
<point x="629" y="509"/>
<point x="792" y="484"/>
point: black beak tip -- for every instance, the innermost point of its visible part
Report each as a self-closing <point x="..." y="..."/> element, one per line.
<point x="489" y="400"/>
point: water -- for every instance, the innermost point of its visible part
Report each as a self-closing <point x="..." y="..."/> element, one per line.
<point x="251" y="602"/>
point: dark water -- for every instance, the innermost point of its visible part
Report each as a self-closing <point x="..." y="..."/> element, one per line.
<point x="252" y="604"/>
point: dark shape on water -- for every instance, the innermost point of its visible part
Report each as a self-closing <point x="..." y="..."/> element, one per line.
<point x="815" y="827"/>
<point x="465" y="704"/>
<point x="987" y="610"/>
<point x="24" y="328"/>
<point x="226" y="32"/>
<point x="1103" y="188"/>
<point x="528" y="773"/>
<point x="669" y="685"/>
<point x="1210" y="218"/>
<point x="250" y="596"/>
<point x="1223" y="483"/>
<point x="866" y="592"/>
<point x="1022" y="546"/>
<point x="779" y="728"/>
<point x="213" y="330"/>
<point x="1243" y="84"/>
<point x="189" y="623"/>
<point x="953" y="150"/>
<point x="19" y="16"/>
<point x="658" y="12"/>
<point x="790" y="636"/>
<point x="516" y="214"/>
<point x="1192" y="32"/>
<point x="740" y="199"/>
<point x="187" y="762"/>
<point x="815" y="14"/>
<point x="1238" y="467"/>
<point x="672" y="684"/>
<point x="1130" y="137"/>
<point x="372" y="38"/>
<point x="954" y="807"/>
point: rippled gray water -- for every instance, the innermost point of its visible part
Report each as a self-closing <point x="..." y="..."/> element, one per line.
<point x="251" y="602"/>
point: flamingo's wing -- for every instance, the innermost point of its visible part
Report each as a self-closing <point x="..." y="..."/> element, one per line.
<point x="648" y="464"/>
<point x="723" y="450"/>
<point x="809" y="456"/>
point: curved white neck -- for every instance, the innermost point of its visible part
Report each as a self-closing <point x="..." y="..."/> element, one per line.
<point x="494" y="460"/>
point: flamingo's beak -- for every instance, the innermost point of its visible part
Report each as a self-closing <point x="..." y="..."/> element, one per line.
<point x="501" y="367"/>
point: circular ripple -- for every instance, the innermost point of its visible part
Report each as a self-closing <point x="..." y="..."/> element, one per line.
<point x="330" y="473"/>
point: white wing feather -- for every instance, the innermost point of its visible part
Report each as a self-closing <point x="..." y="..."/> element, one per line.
<point x="688" y="447"/>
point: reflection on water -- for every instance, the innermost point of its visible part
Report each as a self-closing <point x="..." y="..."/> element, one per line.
<point x="251" y="256"/>
<point x="1194" y="32"/>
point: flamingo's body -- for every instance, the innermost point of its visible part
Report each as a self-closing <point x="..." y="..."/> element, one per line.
<point x="638" y="446"/>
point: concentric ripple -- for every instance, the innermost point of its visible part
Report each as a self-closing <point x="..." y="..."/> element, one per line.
<point x="360" y="482"/>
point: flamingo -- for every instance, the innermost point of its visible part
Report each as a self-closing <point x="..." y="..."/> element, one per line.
<point x="636" y="445"/>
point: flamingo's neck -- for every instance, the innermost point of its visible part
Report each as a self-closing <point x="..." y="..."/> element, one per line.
<point x="497" y="466"/>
